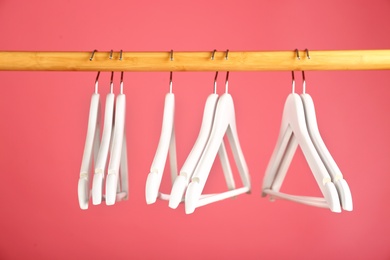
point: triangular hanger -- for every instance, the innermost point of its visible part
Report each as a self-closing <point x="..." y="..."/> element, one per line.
<point x="92" y="142"/>
<point x="294" y="131"/>
<point x="224" y="123"/>
<point x="118" y="156"/>
<point x="181" y="182"/>
<point x="101" y="161"/>
<point x="166" y="143"/>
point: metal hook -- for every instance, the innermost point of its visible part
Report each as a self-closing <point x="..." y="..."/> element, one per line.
<point x="227" y="54"/>
<point x="215" y="82"/>
<point x="121" y="82"/>
<point x="121" y="55"/>
<point x="170" y="82"/>
<point x="93" y="54"/>
<point x="212" y="55"/>
<point x="227" y="82"/>
<point x="293" y="82"/>
<point x="307" y="53"/>
<point x="111" y="54"/>
<point x="297" y="52"/>
<point x="171" y="55"/>
<point x="112" y="82"/>
<point x="304" y="82"/>
<point x="97" y="82"/>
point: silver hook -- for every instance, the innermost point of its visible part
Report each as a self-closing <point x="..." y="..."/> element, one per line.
<point x="227" y="82"/>
<point x="215" y="82"/>
<point x="171" y="55"/>
<point x="97" y="82"/>
<point x="93" y="54"/>
<point x="111" y="54"/>
<point x="307" y="53"/>
<point x="121" y="82"/>
<point x="170" y="82"/>
<point x="121" y="55"/>
<point x="212" y="55"/>
<point x="297" y="52"/>
<point x="112" y="82"/>
<point x="304" y="82"/>
<point x="293" y="82"/>
<point x="227" y="54"/>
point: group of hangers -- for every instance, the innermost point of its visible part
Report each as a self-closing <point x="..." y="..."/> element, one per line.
<point x="299" y="127"/>
<point x="111" y="147"/>
<point x="218" y="120"/>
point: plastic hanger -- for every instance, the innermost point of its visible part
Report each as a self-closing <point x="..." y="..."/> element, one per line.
<point x="181" y="182"/>
<point x="294" y="131"/>
<point x="100" y="165"/>
<point x="166" y="143"/>
<point x="91" y="147"/>
<point x="224" y="123"/>
<point x="118" y="156"/>
<point x="331" y="166"/>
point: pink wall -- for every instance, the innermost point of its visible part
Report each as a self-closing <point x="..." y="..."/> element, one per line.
<point x="44" y="119"/>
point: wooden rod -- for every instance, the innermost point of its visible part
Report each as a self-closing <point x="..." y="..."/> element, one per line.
<point x="196" y="61"/>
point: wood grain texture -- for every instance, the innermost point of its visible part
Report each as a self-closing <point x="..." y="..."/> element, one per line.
<point x="196" y="61"/>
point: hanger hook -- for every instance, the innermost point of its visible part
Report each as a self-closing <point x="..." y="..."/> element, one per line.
<point x="227" y="54"/>
<point x="171" y="55"/>
<point x="121" y="55"/>
<point x="227" y="82"/>
<point x="111" y="54"/>
<point x="297" y="52"/>
<point x="215" y="82"/>
<point x="307" y="53"/>
<point x="93" y="54"/>
<point x="97" y="82"/>
<point x="212" y="55"/>
<point x="112" y="82"/>
<point x="170" y="82"/>
<point x="304" y="82"/>
<point x="121" y="82"/>
<point x="293" y="82"/>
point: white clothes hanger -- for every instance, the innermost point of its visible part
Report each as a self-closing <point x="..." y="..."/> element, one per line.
<point x="294" y="131"/>
<point x="91" y="147"/>
<point x="181" y="182"/>
<point x="224" y="123"/>
<point x="331" y="166"/>
<point x="100" y="165"/>
<point x="166" y="143"/>
<point x="118" y="156"/>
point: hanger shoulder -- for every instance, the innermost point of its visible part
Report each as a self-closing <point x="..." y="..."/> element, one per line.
<point x="115" y="156"/>
<point x="101" y="160"/>
<point x="166" y="143"/>
<point x="91" y="143"/>
<point x="181" y="182"/>
<point x="326" y="157"/>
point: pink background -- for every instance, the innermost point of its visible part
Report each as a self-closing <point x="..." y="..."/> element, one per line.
<point x="44" y="119"/>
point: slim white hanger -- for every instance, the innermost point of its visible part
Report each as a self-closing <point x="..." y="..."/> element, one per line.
<point x="330" y="164"/>
<point x="224" y="123"/>
<point x="294" y="131"/>
<point x="181" y="182"/>
<point x="100" y="165"/>
<point x="166" y="143"/>
<point x="118" y="156"/>
<point x="91" y="147"/>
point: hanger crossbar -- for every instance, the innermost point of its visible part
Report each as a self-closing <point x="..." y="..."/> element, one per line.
<point x="196" y="61"/>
